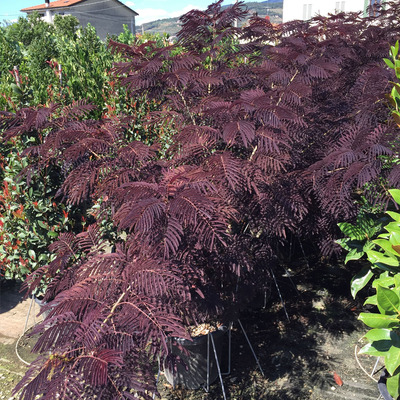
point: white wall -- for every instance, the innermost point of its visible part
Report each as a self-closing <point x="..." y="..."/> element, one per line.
<point x="305" y="9"/>
<point x="48" y="16"/>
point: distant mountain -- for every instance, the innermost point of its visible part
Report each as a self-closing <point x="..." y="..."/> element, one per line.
<point x="272" y="8"/>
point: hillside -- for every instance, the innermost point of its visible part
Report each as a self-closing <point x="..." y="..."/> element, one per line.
<point x="272" y="8"/>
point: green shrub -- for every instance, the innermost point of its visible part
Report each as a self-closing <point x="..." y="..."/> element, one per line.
<point x="383" y="254"/>
<point x="30" y="218"/>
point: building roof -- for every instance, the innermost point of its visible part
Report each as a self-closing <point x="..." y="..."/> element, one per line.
<point x="65" y="3"/>
<point x="53" y="4"/>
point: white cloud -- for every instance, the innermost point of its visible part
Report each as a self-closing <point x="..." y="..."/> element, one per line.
<point x="152" y="14"/>
<point x="185" y="10"/>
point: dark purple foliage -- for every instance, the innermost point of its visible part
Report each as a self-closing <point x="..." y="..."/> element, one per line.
<point x="280" y="131"/>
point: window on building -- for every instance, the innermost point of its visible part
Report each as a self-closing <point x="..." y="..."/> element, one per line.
<point x="340" y="6"/>
<point x="307" y="10"/>
<point x="374" y="6"/>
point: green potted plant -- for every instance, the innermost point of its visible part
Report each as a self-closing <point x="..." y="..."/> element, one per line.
<point x="383" y="255"/>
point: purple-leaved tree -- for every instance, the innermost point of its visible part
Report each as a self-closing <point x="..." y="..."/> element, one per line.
<point x="279" y="131"/>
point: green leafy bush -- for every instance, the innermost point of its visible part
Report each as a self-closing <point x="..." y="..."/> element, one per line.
<point x="384" y="341"/>
<point x="38" y="49"/>
<point x="30" y="218"/>
<point x="394" y="97"/>
<point x="85" y="62"/>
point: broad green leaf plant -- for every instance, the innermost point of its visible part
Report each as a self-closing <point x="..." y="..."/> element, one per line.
<point x="394" y="97"/>
<point x="383" y="254"/>
<point x="359" y="240"/>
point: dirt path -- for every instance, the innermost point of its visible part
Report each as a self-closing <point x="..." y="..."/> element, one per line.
<point x="13" y="313"/>
<point x="299" y="356"/>
<point x="13" y="317"/>
<point x="340" y="358"/>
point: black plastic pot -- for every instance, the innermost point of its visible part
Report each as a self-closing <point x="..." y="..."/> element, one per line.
<point x="39" y="301"/>
<point x="191" y="371"/>
<point x="382" y="386"/>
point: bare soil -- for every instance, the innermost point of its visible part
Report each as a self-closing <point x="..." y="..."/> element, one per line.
<point x="299" y="357"/>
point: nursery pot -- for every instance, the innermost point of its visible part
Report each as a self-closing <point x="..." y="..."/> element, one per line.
<point x="382" y="386"/>
<point x="191" y="371"/>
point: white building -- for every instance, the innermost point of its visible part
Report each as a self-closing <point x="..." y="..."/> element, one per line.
<point x="306" y="9"/>
<point x="107" y="16"/>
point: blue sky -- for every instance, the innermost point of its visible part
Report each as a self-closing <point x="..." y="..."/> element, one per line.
<point x="148" y="10"/>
